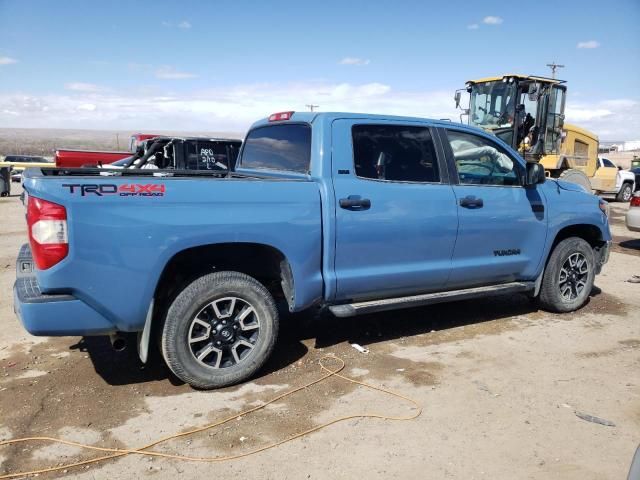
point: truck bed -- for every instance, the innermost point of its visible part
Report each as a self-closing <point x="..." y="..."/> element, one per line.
<point x="125" y="226"/>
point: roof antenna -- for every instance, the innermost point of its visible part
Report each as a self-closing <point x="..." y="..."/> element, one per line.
<point x="554" y="66"/>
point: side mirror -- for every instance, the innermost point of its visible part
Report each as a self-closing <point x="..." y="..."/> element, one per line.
<point x="457" y="97"/>
<point x="535" y="174"/>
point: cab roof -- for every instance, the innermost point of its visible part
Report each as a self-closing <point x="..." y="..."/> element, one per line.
<point x="519" y="77"/>
<point x="310" y="117"/>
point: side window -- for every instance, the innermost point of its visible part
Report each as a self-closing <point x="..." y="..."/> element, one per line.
<point x="481" y="162"/>
<point x="608" y="163"/>
<point x="395" y="153"/>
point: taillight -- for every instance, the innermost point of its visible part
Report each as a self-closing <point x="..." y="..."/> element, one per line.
<point x="47" y="223"/>
<point x="278" y="117"/>
<point x="635" y="201"/>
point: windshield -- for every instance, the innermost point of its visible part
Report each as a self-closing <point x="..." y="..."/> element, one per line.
<point x="493" y="104"/>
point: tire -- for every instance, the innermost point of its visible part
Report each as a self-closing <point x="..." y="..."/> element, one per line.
<point x="625" y="193"/>
<point x="553" y="293"/>
<point x="577" y="177"/>
<point x="231" y="316"/>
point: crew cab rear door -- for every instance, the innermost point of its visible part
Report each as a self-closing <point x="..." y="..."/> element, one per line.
<point x="502" y="225"/>
<point x="396" y="216"/>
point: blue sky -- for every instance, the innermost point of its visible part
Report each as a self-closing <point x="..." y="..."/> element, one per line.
<point x="218" y="66"/>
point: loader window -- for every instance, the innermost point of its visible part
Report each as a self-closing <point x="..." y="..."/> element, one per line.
<point x="481" y="162"/>
<point x="554" y="121"/>
<point x="493" y="104"/>
<point x="395" y="152"/>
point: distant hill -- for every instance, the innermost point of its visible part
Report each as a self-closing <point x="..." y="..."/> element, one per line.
<point x="44" y="141"/>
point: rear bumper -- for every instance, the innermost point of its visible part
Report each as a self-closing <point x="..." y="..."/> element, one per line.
<point x="52" y="315"/>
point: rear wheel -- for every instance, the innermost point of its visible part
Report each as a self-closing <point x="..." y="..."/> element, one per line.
<point x="568" y="277"/>
<point x="576" y="176"/>
<point x="625" y="193"/>
<point x="219" y="330"/>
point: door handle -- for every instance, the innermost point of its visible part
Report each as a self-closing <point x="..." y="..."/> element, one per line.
<point x="355" y="202"/>
<point x="471" y="201"/>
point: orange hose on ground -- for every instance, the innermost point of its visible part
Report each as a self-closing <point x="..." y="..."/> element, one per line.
<point x="116" y="452"/>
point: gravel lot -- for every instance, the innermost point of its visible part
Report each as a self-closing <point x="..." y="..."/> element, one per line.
<point x="499" y="380"/>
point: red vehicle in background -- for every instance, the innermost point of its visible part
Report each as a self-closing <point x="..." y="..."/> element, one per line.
<point x="79" y="158"/>
<point x="68" y="158"/>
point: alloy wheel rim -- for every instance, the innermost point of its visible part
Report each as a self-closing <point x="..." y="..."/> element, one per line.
<point x="626" y="195"/>
<point x="573" y="276"/>
<point x="224" y="332"/>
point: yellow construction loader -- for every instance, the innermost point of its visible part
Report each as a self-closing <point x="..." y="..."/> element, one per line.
<point x="527" y="112"/>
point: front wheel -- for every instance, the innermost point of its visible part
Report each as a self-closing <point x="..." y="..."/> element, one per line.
<point x="219" y="330"/>
<point x="568" y="277"/>
<point x="625" y="193"/>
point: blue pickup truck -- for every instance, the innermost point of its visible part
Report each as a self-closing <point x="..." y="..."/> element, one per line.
<point x="355" y="213"/>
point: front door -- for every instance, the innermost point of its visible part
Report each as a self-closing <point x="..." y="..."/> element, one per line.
<point x="502" y="225"/>
<point x="605" y="178"/>
<point x="396" y="215"/>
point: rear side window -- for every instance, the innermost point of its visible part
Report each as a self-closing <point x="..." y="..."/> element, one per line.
<point x="278" y="147"/>
<point x="395" y="153"/>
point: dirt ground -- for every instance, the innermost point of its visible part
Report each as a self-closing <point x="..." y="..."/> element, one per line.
<point x="500" y="383"/>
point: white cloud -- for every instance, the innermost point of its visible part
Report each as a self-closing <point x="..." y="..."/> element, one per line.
<point x="491" y="20"/>
<point x="615" y="119"/>
<point x="360" y="62"/>
<point x="184" y="24"/>
<point x="231" y="109"/>
<point x="589" y="44"/>
<point x="83" y="87"/>
<point x="7" y="60"/>
<point x="170" y="73"/>
<point x="234" y="108"/>
<point x="473" y="26"/>
<point x="87" y="107"/>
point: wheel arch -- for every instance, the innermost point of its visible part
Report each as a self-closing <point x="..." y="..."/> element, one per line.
<point x="263" y="262"/>
<point x="592" y="234"/>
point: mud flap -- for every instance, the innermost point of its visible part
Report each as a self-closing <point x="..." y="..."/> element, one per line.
<point x="143" y="337"/>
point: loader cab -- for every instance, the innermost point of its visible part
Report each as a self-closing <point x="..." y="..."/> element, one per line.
<point x="526" y="112"/>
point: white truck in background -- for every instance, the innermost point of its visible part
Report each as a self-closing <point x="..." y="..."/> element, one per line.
<point x="625" y="180"/>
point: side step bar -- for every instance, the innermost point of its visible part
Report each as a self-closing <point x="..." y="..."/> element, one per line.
<point x="353" y="309"/>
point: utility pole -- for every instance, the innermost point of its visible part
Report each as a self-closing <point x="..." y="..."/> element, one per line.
<point x="311" y="107"/>
<point x="554" y="66"/>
